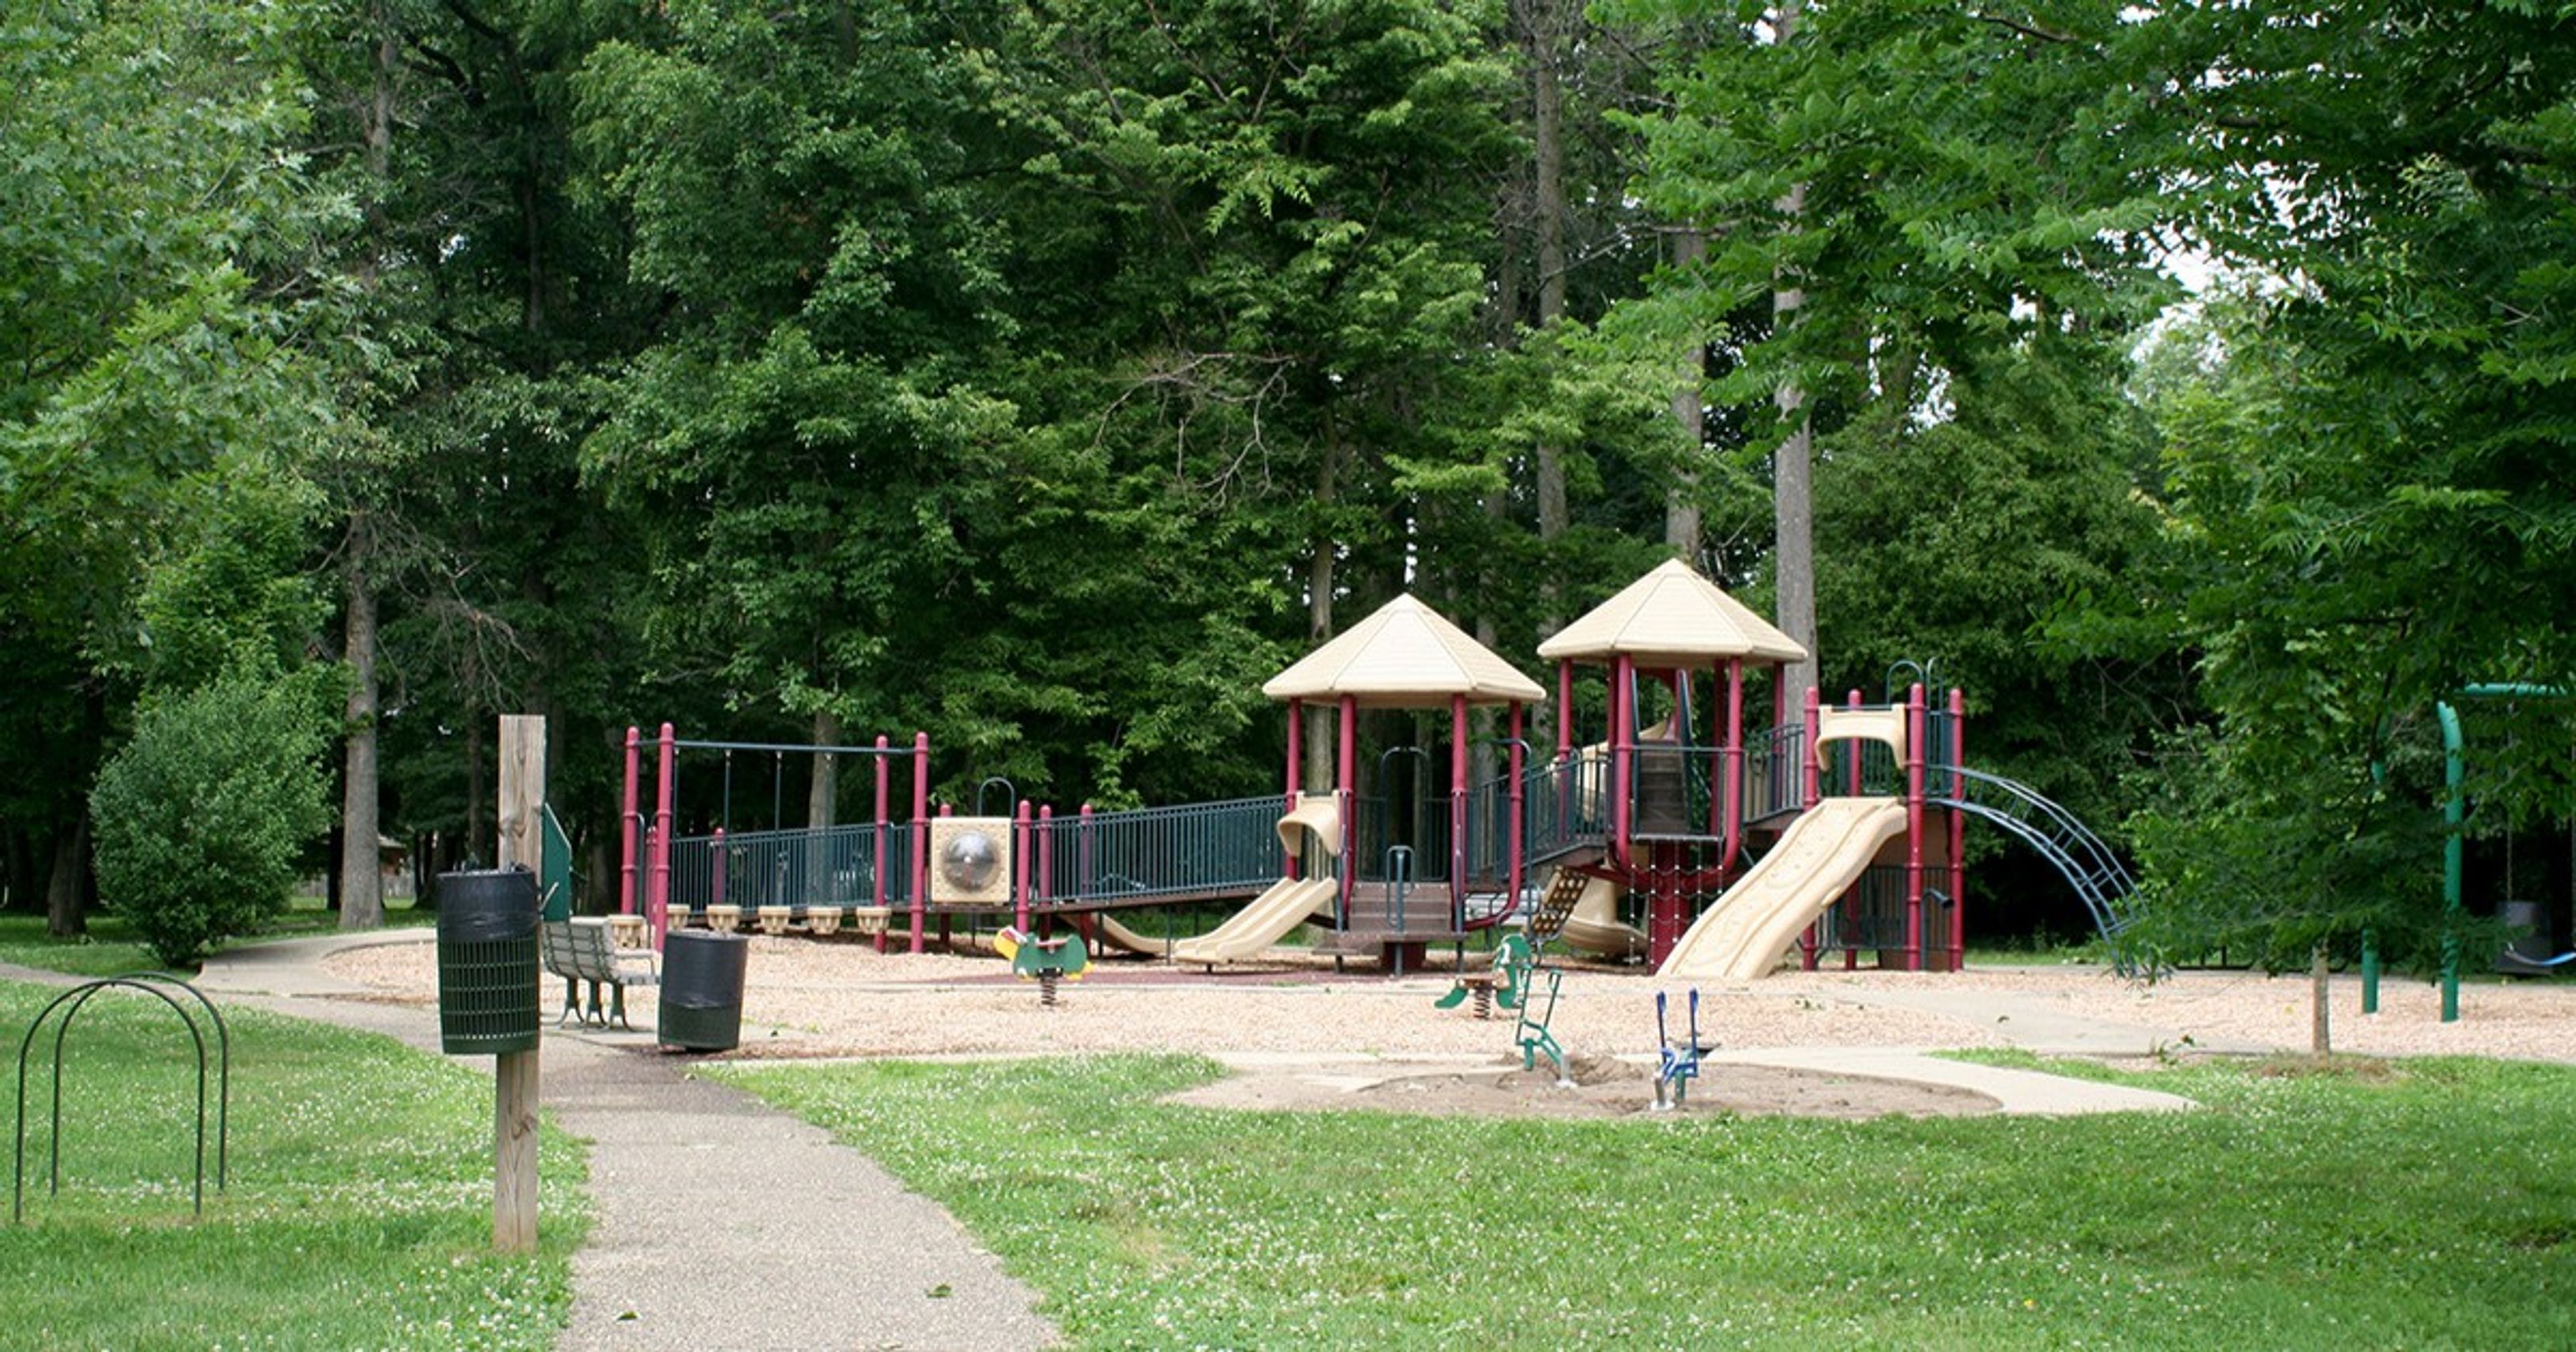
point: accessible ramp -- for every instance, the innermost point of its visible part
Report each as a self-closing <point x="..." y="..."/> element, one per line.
<point x="1288" y="902"/>
<point x="1815" y="861"/>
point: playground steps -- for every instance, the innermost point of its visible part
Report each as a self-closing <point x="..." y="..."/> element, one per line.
<point x="1374" y="927"/>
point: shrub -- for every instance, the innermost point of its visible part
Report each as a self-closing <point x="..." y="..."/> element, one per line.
<point x="200" y="817"/>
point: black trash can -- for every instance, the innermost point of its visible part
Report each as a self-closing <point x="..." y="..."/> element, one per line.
<point x="702" y="990"/>
<point x="487" y="962"/>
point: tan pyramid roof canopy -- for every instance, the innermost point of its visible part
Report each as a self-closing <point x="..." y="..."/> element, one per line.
<point x="1404" y="656"/>
<point x="1672" y="617"/>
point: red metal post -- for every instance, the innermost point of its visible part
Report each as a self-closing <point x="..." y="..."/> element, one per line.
<point x="1958" y="831"/>
<point x="1022" y="826"/>
<point x="1457" y="807"/>
<point x="885" y="774"/>
<point x="1811" y="792"/>
<point x="1046" y="854"/>
<point x="1296" y="748"/>
<point x="1812" y="785"/>
<point x="666" y="781"/>
<point x="1346" y="788"/>
<point x="1564" y="708"/>
<point x="920" y="840"/>
<point x="1623" y="739"/>
<point x="1512" y="792"/>
<point x="1851" y="772"/>
<point x="1914" y="728"/>
<point x="1732" y="763"/>
<point x="626" y="898"/>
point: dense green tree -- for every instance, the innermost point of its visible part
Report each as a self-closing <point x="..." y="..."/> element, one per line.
<point x="2368" y="459"/>
<point x="161" y="317"/>
<point x="201" y="816"/>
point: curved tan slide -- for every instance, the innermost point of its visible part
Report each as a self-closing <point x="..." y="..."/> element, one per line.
<point x="1287" y="903"/>
<point x="1815" y="861"/>
<point x="1594" y="925"/>
<point x="1118" y="936"/>
<point x="1268" y="918"/>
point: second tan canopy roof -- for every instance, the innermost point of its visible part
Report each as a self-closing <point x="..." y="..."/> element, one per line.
<point x="1404" y="656"/>
<point x="1672" y="617"/>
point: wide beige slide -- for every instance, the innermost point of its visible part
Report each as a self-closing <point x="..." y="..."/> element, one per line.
<point x="1267" y="920"/>
<point x="1816" y="860"/>
<point x="1287" y="903"/>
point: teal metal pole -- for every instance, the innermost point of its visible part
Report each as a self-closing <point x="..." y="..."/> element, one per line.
<point x="2369" y="972"/>
<point x="2454" y="809"/>
<point x="2454" y="812"/>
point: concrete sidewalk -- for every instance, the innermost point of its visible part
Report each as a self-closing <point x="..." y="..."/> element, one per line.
<point x="720" y="1223"/>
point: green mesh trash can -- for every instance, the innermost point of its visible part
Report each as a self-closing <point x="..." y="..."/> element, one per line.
<point x="487" y="962"/>
<point x="702" y="975"/>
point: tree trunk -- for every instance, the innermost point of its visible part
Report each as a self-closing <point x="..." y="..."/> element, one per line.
<point x="20" y="884"/>
<point x="1690" y="413"/>
<point x="70" y="882"/>
<point x="2320" y="1031"/>
<point x="477" y="803"/>
<point x="1540" y="24"/>
<point x="1793" y="469"/>
<point x="362" y="887"/>
<point x="1322" y="742"/>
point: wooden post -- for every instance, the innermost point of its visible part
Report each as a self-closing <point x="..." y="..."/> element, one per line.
<point x="515" y="1078"/>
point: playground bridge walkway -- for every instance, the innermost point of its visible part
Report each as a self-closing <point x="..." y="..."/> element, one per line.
<point x="1229" y="850"/>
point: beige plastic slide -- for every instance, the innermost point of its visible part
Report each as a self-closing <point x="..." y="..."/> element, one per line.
<point x="1115" y="935"/>
<point x="1264" y="922"/>
<point x="1287" y="903"/>
<point x="1815" y="861"/>
<point x="1594" y="925"/>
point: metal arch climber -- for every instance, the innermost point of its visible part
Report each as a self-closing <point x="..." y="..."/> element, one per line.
<point x="2081" y="857"/>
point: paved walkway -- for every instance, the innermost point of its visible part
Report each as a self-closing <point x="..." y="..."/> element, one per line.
<point x="724" y="1224"/>
<point x="720" y="1223"/>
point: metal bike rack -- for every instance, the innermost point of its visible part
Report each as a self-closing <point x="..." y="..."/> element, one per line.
<point x="70" y="1004"/>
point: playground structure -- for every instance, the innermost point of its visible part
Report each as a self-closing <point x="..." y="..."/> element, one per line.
<point x="1837" y="829"/>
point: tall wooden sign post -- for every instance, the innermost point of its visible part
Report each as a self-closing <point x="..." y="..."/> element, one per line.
<point x="515" y="1079"/>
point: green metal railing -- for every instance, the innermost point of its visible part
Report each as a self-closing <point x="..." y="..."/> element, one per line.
<point x="1190" y="851"/>
<point x="834" y="867"/>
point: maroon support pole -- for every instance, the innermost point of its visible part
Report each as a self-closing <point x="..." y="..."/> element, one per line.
<point x="921" y="840"/>
<point x="666" y="781"/>
<point x="1513" y="794"/>
<point x="1958" y="831"/>
<point x="1623" y="741"/>
<point x="1022" y="826"/>
<point x="1457" y="808"/>
<point x="1296" y="749"/>
<point x="1914" y="727"/>
<point x="1810" y="793"/>
<point x="1733" y="764"/>
<point x="1046" y="854"/>
<point x="1812" y="785"/>
<point x="626" y="898"/>
<point x="1564" y="708"/>
<point x="885" y="783"/>
<point x="1346" y="786"/>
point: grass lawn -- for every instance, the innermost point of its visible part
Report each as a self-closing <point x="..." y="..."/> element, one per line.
<point x="2415" y="1204"/>
<point x="110" y="946"/>
<point x="359" y="1213"/>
